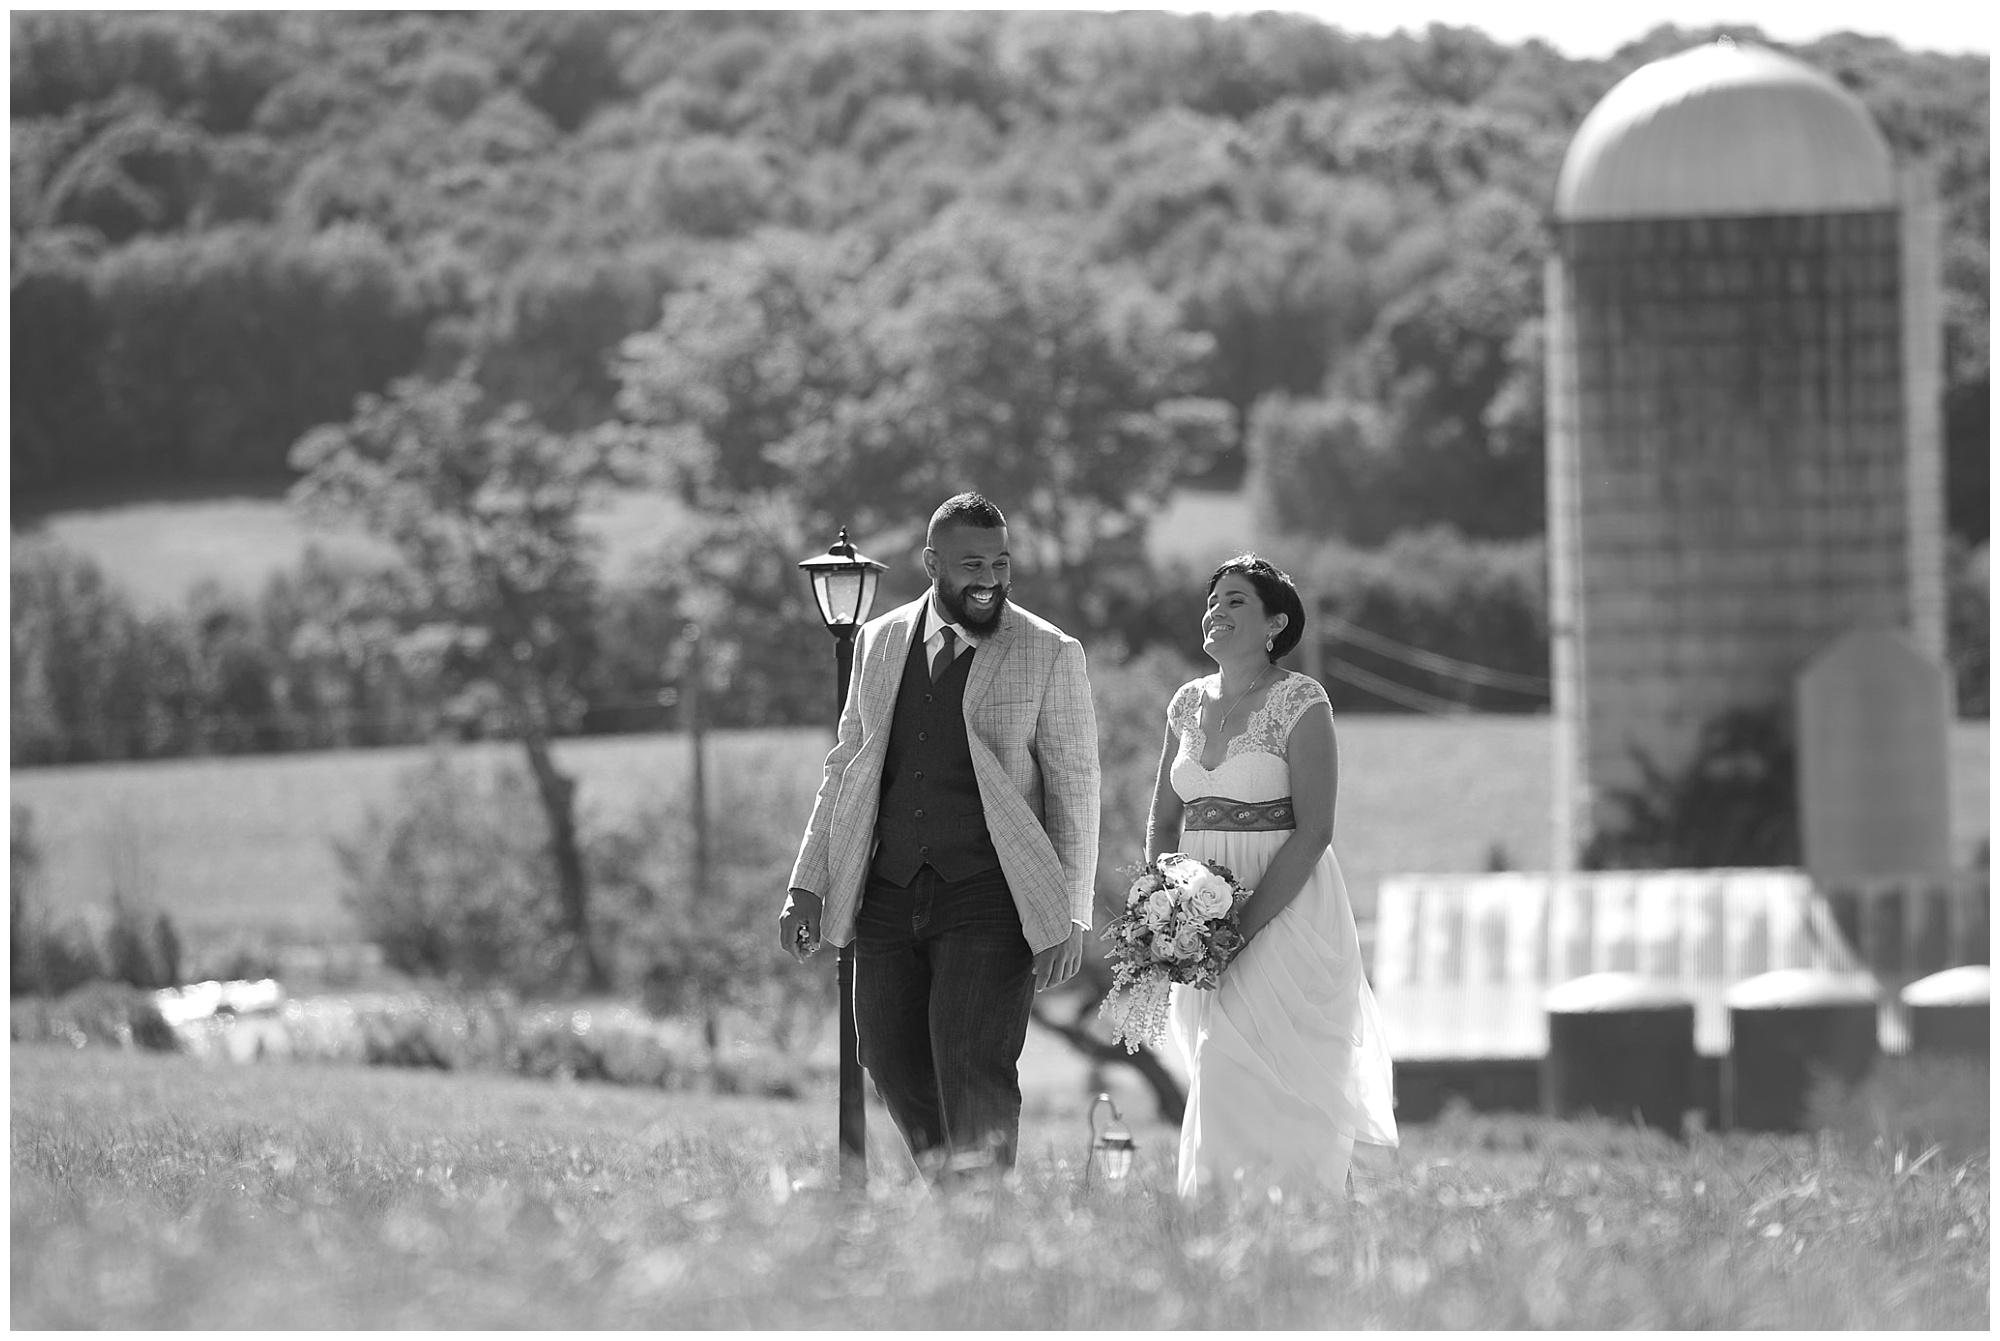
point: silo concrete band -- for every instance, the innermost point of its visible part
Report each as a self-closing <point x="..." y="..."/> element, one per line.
<point x="1735" y="475"/>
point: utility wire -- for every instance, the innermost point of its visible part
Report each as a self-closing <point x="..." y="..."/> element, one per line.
<point x="1395" y="693"/>
<point x="1436" y="662"/>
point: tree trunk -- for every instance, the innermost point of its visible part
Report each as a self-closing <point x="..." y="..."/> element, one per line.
<point x="1167" y="1090"/>
<point x="558" y="793"/>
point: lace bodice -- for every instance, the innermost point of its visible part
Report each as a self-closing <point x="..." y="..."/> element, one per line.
<point x="1254" y="766"/>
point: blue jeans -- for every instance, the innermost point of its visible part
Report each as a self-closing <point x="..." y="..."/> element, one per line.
<point x="943" y="982"/>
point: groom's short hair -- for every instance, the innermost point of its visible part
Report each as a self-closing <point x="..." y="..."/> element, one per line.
<point x="967" y="509"/>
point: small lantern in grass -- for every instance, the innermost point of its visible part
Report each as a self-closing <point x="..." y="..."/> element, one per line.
<point x="1111" y="1149"/>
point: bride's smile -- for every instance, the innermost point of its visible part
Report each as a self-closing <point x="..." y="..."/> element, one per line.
<point x="1236" y="627"/>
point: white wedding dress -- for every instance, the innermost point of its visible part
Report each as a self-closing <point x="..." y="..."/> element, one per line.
<point x="1287" y="1063"/>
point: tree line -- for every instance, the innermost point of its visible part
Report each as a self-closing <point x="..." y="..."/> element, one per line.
<point x="803" y="271"/>
<point x="226" y="225"/>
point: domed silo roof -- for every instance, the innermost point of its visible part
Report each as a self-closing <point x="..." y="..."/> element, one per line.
<point x="1721" y="130"/>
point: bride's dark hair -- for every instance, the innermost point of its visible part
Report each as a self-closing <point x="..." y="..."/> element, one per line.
<point x="1277" y="594"/>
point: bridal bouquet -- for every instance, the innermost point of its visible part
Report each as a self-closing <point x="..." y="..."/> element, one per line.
<point x="1179" y="926"/>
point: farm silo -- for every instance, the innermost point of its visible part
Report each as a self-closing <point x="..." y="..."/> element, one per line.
<point x="1744" y="454"/>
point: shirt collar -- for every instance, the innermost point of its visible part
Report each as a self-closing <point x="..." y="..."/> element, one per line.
<point x="933" y="621"/>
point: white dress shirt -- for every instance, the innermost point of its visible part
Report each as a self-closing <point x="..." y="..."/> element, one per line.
<point x="934" y="627"/>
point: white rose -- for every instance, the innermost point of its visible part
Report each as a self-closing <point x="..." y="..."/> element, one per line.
<point x="1159" y="908"/>
<point x="1190" y="944"/>
<point x="1209" y="897"/>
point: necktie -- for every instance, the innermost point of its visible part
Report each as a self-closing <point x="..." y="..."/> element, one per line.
<point x="942" y="662"/>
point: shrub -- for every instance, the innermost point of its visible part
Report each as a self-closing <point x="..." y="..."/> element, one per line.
<point x="453" y="880"/>
<point x="49" y="960"/>
<point x="98" y="1012"/>
<point x="141" y="951"/>
<point x="44" y="958"/>
<point x="1969" y="602"/>
<point x="701" y="951"/>
<point x="486" y="1033"/>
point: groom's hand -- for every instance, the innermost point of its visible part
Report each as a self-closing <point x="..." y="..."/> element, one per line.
<point x="1059" y="963"/>
<point x="798" y="924"/>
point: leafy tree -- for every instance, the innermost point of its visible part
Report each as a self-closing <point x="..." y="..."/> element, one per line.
<point x="220" y="349"/>
<point x="977" y="354"/>
<point x="81" y="667"/>
<point x="212" y="69"/>
<point x="709" y="186"/>
<point x="482" y="504"/>
<point x="1008" y="364"/>
<point x="1321" y="467"/>
<point x="337" y="625"/>
<point x="145" y="174"/>
<point x="1458" y="380"/>
<point x="566" y="62"/>
<point x="57" y="406"/>
<point x="758" y="350"/>
<point x="1734" y="804"/>
<point x="546" y="335"/>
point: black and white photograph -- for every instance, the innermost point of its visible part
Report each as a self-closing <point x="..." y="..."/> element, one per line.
<point x="1057" y="669"/>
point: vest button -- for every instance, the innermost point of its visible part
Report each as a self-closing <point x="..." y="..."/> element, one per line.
<point x="923" y="735"/>
<point x="930" y="698"/>
<point x="920" y="775"/>
<point x="924" y="851"/>
<point x="920" y="812"/>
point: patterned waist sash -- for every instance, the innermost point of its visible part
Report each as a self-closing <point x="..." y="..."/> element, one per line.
<point x="1221" y="813"/>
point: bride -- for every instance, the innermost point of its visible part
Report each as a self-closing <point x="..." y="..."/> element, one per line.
<point x="1286" y="1059"/>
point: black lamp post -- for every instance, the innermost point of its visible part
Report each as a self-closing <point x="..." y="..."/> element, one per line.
<point x="843" y="582"/>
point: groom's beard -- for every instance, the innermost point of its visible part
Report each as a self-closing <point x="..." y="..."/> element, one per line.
<point x="963" y="615"/>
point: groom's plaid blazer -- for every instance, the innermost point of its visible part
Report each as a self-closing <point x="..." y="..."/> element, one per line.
<point x="1033" y="732"/>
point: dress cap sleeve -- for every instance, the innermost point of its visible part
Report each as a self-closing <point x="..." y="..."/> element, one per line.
<point x="1300" y="693"/>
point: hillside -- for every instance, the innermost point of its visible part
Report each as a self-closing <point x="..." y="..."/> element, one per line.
<point x="226" y="224"/>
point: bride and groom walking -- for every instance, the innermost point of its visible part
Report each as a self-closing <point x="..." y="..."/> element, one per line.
<point x="953" y="843"/>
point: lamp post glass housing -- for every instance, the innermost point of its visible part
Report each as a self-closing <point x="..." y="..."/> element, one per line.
<point x="843" y="582"/>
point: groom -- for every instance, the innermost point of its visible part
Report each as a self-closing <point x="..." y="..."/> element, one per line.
<point x="954" y="841"/>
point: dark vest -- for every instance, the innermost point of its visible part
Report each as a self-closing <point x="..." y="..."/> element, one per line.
<point x="930" y="809"/>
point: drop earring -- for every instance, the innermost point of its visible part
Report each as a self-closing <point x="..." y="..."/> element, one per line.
<point x="1270" y="643"/>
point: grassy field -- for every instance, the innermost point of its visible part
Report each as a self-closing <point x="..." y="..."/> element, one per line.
<point x="156" y="549"/>
<point x="153" y="1192"/>
<point x="246" y="842"/>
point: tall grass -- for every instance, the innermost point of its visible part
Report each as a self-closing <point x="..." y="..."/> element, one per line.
<point x="149" y="1192"/>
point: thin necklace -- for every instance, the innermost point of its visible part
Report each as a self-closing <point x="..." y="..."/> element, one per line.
<point x="1223" y="720"/>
